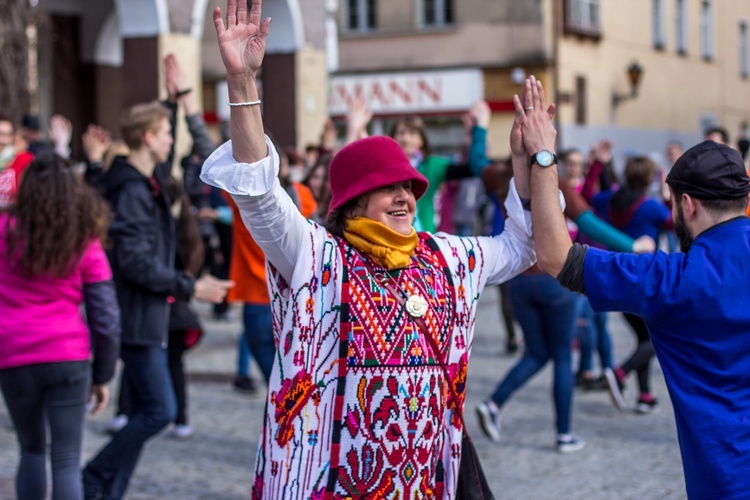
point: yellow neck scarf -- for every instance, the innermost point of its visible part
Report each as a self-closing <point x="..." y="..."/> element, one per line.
<point x="386" y="247"/>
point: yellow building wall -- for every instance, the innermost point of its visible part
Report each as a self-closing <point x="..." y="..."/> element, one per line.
<point x="499" y="86"/>
<point x="675" y="89"/>
<point x="312" y="96"/>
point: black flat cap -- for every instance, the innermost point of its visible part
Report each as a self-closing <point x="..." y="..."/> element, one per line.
<point x="710" y="171"/>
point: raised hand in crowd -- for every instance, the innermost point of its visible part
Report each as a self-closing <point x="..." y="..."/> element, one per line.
<point x="328" y="136"/>
<point x="174" y="78"/>
<point x="602" y="151"/>
<point x="60" y="133"/>
<point x="96" y="141"/>
<point x="480" y="113"/>
<point x="538" y="130"/>
<point x="522" y="126"/>
<point x="178" y="86"/>
<point x="357" y="118"/>
<point x="242" y="44"/>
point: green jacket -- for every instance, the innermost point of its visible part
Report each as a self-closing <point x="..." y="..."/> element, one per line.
<point x="435" y="168"/>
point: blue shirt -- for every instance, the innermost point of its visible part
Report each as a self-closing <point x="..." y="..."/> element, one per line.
<point x="697" y="308"/>
<point x="649" y="218"/>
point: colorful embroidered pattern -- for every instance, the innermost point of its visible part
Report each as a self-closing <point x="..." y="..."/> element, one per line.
<point x="358" y="404"/>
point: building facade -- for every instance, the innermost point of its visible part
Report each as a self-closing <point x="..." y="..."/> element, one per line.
<point x="436" y="57"/>
<point x="693" y="57"/>
<point x="694" y="60"/>
<point x="97" y="57"/>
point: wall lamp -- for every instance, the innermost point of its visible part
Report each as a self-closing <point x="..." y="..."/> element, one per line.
<point x="635" y="72"/>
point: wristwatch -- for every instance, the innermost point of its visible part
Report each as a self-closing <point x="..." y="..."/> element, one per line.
<point x="543" y="158"/>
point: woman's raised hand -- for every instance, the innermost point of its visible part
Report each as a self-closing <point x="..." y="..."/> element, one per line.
<point x="242" y="42"/>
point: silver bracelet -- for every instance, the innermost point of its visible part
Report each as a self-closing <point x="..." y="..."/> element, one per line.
<point x="250" y="103"/>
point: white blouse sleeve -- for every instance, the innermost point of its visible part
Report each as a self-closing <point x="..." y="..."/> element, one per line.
<point x="512" y="251"/>
<point x="269" y="214"/>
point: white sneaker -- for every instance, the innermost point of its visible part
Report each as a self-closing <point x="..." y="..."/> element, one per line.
<point x="117" y="423"/>
<point x="182" y="431"/>
<point x="489" y="421"/>
<point x="570" y="444"/>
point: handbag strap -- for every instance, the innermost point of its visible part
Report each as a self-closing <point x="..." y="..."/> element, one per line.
<point x="430" y="340"/>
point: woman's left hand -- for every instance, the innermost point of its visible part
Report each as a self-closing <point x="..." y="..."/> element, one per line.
<point x="242" y="42"/>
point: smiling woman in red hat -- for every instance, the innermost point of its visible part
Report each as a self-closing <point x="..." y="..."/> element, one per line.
<point x="373" y="321"/>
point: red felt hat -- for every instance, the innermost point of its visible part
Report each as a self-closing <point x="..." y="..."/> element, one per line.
<point x="369" y="164"/>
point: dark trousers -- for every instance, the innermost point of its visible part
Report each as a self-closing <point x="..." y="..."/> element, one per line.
<point x="640" y="360"/>
<point x="176" y="349"/>
<point x="152" y="407"/>
<point x="51" y="394"/>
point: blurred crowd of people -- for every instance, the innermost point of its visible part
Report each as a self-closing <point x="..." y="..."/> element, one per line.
<point x="135" y="240"/>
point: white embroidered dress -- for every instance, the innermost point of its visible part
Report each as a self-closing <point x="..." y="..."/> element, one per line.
<point x="358" y="405"/>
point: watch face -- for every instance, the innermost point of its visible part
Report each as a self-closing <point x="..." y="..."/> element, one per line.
<point x="545" y="158"/>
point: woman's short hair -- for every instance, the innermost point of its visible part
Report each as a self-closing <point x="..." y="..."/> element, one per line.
<point x="415" y="124"/>
<point x="336" y="221"/>
<point x="639" y="173"/>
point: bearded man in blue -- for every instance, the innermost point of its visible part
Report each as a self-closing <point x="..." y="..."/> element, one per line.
<point x="696" y="305"/>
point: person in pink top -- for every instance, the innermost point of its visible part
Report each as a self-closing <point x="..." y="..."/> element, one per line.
<point x="51" y="262"/>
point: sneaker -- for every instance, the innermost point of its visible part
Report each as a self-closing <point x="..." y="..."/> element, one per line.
<point x="570" y="443"/>
<point x="117" y="423"/>
<point x="615" y="386"/>
<point x="489" y="421"/>
<point x="182" y="431"/>
<point x="646" y="405"/>
<point x="244" y="384"/>
<point x="595" y="383"/>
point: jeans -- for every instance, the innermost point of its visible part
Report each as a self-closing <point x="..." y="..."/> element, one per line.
<point x="152" y="407"/>
<point x="243" y="356"/>
<point x="546" y="312"/>
<point x="175" y="350"/>
<point x="259" y="336"/>
<point x="53" y="393"/>
<point x="592" y="334"/>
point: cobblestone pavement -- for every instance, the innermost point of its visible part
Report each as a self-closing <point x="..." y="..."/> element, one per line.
<point x="627" y="456"/>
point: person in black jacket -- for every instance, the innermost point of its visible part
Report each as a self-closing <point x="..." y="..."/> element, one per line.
<point x="142" y="256"/>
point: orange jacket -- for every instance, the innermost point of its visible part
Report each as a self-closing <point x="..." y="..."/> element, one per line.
<point x="247" y="267"/>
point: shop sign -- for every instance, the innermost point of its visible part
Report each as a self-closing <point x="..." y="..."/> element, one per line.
<point x="403" y="93"/>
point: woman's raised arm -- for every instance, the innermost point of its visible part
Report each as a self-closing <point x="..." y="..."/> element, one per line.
<point x="242" y="43"/>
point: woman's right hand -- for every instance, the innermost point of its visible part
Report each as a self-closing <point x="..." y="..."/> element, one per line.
<point x="242" y="42"/>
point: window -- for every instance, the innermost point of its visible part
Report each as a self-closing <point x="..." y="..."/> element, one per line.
<point x="658" y="28"/>
<point x="360" y="15"/>
<point x="437" y="12"/>
<point x="580" y="100"/>
<point x="744" y="70"/>
<point x="582" y="17"/>
<point x="707" y="30"/>
<point x="681" y="27"/>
